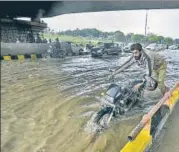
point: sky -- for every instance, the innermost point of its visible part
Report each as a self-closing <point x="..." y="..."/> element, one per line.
<point x="160" y="22"/>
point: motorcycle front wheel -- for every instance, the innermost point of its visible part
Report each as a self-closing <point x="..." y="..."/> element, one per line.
<point x="101" y="118"/>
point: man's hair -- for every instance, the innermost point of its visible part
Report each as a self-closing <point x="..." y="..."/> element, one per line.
<point x="136" y="46"/>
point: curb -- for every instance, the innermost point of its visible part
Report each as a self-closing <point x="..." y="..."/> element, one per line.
<point x="21" y="57"/>
<point x="142" y="137"/>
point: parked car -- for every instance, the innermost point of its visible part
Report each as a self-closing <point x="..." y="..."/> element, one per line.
<point x="106" y="48"/>
<point x="97" y="51"/>
<point x="77" y="49"/>
<point x="151" y="46"/>
<point x="127" y="47"/>
<point x="173" y="47"/>
<point x="155" y="47"/>
<point x="66" y="48"/>
<point x="54" y="52"/>
<point x="112" y="48"/>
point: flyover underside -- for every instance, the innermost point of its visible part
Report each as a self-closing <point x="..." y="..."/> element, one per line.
<point x="51" y="8"/>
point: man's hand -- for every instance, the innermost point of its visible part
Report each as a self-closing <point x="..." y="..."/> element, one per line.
<point x="137" y="86"/>
<point x="111" y="76"/>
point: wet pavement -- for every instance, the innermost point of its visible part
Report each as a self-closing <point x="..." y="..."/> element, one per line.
<point x="46" y="104"/>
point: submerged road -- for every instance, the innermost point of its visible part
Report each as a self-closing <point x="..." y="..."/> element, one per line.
<point x="46" y="104"/>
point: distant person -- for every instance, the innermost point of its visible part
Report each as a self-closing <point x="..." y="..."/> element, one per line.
<point x="45" y="40"/>
<point x="90" y="45"/>
<point x="38" y="39"/>
<point x="87" y="46"/>
<point x="17" y="40"/>
<point x="50" y="41"/>
<point x="152" y="62"/>
<point x="58" y="50"/>
<point x="30" y="38"/>
<point x="167" y="47"/>
<point x="57" y="43"/>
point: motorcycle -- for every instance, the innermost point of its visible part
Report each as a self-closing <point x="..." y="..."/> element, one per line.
<point x="118" y="100"/>
<point x="54" y="52"/>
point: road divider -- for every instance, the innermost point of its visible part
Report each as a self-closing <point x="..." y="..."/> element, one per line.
<point x="21" y="57"/>
<point x="148" y="129"/>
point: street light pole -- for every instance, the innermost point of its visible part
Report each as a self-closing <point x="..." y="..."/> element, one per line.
<point x="146" y="26"/>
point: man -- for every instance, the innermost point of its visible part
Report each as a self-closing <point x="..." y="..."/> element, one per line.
<point x="155" y="64"/>
<point x="50" y="41"/>
<point x="57" y="44"/>
<point x="58" y="49"/>
<point x="38" y="39"/>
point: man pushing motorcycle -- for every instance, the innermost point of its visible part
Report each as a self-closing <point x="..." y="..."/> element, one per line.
<point x="154" y="64"/>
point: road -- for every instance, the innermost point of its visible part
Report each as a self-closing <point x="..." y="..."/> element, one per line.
<point x="46" y="104"/>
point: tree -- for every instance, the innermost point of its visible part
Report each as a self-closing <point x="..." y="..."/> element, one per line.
<point x="105" y="35"/>
<point x="152" y="38"/>
<point x="138" y="38"/>
<point x="119" y="36"/>
<point x="168" y="40"/>
<point x="161" y="39"/>
<point x="177" y="41"/>
<point x="129" y="37"/>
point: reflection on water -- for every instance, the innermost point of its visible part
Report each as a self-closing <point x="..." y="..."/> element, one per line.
<point x="45" y="104"/>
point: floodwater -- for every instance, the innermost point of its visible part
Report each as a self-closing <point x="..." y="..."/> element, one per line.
<point x="46" y="104"/>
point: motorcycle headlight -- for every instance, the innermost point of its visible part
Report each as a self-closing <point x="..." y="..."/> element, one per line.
<point x="102" y="94"/>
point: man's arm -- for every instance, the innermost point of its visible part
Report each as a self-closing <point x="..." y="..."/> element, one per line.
<point x="124" y="66"/>
<point x="149" y="65"/>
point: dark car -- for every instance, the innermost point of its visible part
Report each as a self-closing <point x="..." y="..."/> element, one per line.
<point x="97" y="51"/>
<point x="106" y="48"/>
<point x="112" y="48"/>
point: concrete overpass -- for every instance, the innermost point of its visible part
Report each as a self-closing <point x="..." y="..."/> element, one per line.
<point x="39" y="9"/>
<point x="51" y="8"/>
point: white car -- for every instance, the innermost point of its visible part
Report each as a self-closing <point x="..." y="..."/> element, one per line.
<point x="67" y="48"/>
<point x="151" y="47"/>
<point x="155" y="47"/>
<point x="127" y="47"/>
<point x="173" y="47"/>
<point x="76" y="49"/>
